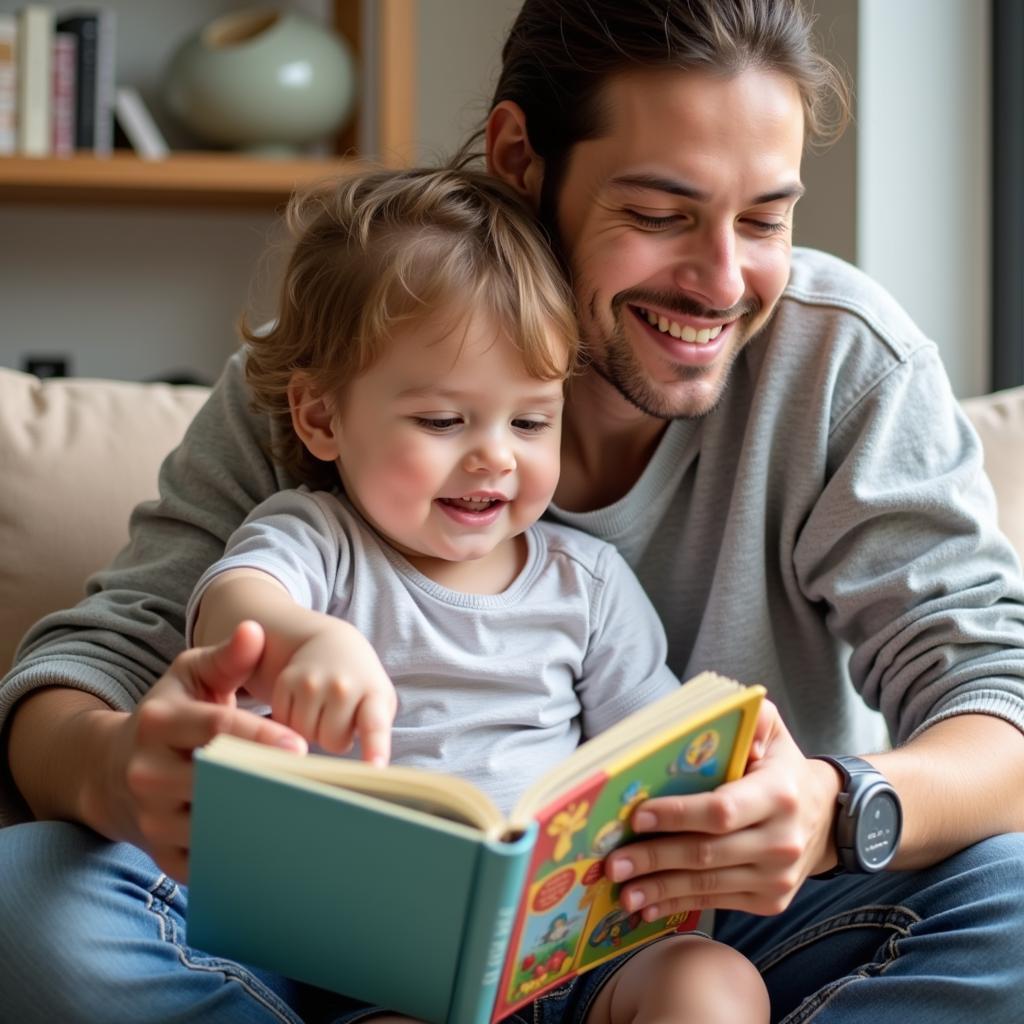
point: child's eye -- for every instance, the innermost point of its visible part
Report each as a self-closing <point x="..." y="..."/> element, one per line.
<point x="531" y="426"/>
<point x="440" y="423"/>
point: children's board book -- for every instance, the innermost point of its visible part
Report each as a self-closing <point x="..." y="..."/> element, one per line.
<point x="410" y="890"/>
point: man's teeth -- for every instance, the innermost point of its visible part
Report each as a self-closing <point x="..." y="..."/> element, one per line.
<point x="666" y="326"/>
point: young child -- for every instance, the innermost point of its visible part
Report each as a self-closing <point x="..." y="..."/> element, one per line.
<point x="416" y="371"/>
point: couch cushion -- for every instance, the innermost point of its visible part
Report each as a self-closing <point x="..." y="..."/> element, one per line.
<point x="75" y="457"/>
<point x="999" y="419"/>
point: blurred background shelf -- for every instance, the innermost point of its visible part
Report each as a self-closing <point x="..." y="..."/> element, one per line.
<point x="382" y="35"/>
<point x="193" y="179"/>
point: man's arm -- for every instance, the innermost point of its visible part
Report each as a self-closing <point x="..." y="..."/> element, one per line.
<point x="960" y="782"/>
<point x="901" y="554"/>
<point x="136" y="769"/>
<point x="122" y="638"/>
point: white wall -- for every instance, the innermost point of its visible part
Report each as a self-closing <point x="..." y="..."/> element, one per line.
<point x="826" y="216"/>
<point x="923" y="171"/>
<point x="459" y="51"/>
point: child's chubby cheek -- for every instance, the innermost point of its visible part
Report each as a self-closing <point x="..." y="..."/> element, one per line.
<point x="410" y="468"/>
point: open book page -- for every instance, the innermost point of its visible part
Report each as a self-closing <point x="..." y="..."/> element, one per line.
<point x="570" y="919"/>
<point x="443" y="796"/>
<point x="648" y="727"/>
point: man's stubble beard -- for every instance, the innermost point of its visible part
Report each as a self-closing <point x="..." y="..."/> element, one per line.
<point x="622" y="370"/>
<point x="613" y="360"/>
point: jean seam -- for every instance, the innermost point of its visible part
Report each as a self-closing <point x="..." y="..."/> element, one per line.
<point x="893" y="918"/>
<point x="159" y="896"/>
<point x="897" y="920"/>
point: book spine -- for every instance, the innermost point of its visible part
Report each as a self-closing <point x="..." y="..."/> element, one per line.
<point x="8" y="84"/>
<point x="35" y="79"/>
<point x="138" y="125"/>
<point x="65" y="48"/>
<point x="498" y="888"/>
<point x="83" y="28"/>
<point x="106" y="82"/>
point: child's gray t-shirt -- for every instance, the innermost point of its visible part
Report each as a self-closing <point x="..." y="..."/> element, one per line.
<point x="494" y="688"/>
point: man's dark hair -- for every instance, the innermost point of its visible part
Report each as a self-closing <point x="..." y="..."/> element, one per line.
<point x="560" y="53"/>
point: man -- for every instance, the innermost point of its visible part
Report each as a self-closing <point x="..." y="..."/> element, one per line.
<point x="772" y="445"/>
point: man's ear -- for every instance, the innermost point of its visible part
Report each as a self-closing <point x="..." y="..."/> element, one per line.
<point x="510" y="156"/>
<point x="313" y="418"/>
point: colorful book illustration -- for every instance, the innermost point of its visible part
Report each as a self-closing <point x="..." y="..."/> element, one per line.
<point x="410" y="890"/>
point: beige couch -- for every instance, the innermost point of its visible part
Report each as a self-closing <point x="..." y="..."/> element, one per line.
<point x="76" y="455"/>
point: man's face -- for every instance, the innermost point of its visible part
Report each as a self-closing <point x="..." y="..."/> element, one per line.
<point x="677" y="226"/>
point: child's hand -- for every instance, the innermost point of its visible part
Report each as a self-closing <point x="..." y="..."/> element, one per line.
<point x="333" y="689"/>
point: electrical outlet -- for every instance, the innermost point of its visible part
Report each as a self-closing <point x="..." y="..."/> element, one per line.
<point x="47" y="366"/>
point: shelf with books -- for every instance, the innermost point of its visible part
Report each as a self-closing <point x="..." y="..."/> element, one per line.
<point x="382" y="35"/>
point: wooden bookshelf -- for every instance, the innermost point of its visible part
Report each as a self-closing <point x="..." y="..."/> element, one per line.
<point x="183" y="179"/>
<point x="211" y="179"/>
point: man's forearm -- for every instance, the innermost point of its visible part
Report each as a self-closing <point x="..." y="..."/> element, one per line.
<point x="959" y="782"/>
<point x="56" y="751"/>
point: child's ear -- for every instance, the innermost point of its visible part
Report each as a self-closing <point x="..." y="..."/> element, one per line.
<point x="510" y="156"/>
<point x="313" y="418"/>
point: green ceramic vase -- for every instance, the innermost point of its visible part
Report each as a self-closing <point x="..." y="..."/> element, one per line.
<point x="261" y="79"/>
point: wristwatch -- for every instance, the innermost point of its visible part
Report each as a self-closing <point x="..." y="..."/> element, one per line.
<point x="869" y="818"/>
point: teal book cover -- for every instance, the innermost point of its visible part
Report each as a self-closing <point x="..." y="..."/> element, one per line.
<point x="382" y="903"/>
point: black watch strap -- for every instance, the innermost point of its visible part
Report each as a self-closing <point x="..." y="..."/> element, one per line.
<point x="861" y="782"/>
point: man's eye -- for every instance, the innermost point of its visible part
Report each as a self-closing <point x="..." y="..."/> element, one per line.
<point x="531" y="426"/>
<point x="439" y="423"/>
<point x="768" y="227"/>
<point x="652" y="223"/>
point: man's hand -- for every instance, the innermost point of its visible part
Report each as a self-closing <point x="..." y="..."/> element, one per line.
<point x="333" y="689"/>
<point x="748" y="845"/>
<point x="148" y="779"/>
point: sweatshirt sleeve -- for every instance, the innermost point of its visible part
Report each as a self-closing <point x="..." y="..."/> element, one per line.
<point x="624" y="668"/>
<point x="903" y="554"/>
<point x="295" y="537"/>
<point x="116" y="642"/>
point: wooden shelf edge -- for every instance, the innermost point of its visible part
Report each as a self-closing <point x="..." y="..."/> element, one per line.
<point x="220" y="179"/>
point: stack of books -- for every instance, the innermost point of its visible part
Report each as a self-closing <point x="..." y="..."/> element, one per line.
<point x="58" y="87"/>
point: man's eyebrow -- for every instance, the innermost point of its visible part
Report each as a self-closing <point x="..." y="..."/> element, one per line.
<point x="657" y="183"/>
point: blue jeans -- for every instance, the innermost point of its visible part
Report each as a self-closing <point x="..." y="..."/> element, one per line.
<point x="93" y="932"/>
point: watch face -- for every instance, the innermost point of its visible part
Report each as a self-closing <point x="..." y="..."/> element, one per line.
<point x="878" y="830"/>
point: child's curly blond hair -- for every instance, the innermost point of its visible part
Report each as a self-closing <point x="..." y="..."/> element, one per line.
<point x="380" y="248"/>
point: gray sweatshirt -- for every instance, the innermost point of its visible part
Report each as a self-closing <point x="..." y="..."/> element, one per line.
<point x="827" y="531"/>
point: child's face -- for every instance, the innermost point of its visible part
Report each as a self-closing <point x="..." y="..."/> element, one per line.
<point x="446" y="444"/>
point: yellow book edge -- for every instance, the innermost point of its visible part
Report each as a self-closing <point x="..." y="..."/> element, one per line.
<point x="702" y="699"/>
